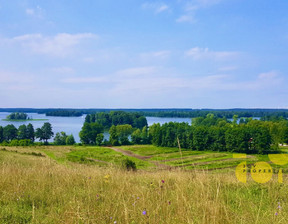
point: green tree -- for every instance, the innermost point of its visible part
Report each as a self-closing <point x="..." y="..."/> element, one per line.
<point x="235" y="118"/>
<point x="237" y="139"/>
<point x="200" y="138"/>
<point x="22" y="132"/>
<point x="88" y="118"/>
<point x="39" y="134"/>
<point x="144" y="135"/>
<point x="30" y="134"/>
<point x="113" y="138"/>
<point x="45" y="132"/>
<point x="136" y="136"/>
<point x="123" y="131"/>
<point x="70" y="140"/>
<point x="99" y="138"/>
<point x="1" y="134"/>
<point x="156" y="134"/>
<point x="89" y="132"/>
<point x="10" y="132"/>
<point x="60" y="138"/>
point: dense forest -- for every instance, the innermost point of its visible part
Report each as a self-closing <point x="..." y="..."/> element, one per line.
<point x="64" y="113"/>
<point x="168" y="112"/>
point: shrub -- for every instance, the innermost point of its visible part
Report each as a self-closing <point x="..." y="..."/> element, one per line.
<point x="129" y="165"/>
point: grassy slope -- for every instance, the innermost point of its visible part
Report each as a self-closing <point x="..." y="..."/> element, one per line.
<point x="199" y="159"/>
<point x="39" y="190"/>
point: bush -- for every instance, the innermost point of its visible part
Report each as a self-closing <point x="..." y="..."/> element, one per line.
<point x="129" y="165"/>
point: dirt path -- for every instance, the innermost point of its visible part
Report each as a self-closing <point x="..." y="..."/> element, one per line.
<point x="129" y="153"/>
<point x="144" y="158"/>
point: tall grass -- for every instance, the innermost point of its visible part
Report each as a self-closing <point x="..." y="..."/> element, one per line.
<point x="39" y="190"/>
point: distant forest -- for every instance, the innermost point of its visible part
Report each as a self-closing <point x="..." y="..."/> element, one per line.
<point x="169" y="112"/>
<point x="64" y="113"/>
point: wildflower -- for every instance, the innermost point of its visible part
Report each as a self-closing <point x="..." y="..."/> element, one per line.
<point x="144" y="213"/>
<point x="106" y="178"/>
<point x="163" y="181"/>
<point x="138" y="198"/>
<point x="276" y="213"/>
<point x="115" y="222"/>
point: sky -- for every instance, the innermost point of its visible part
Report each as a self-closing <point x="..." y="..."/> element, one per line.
<point x="144" y="54"/>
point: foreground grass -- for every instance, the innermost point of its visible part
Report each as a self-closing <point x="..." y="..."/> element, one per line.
<point x="36" y="189"/>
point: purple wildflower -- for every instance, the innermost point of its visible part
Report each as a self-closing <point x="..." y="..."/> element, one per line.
<point x="163" y="181"/>
<point x="144" y="213"/>
<point x="276" y="213"/>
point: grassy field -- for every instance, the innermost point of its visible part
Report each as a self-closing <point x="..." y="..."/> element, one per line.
<point x="55" y="184"/>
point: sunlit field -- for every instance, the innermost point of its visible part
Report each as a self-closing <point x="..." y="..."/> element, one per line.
<point x="88" y="185"/>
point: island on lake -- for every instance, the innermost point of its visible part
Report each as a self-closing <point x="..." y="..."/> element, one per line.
<point x="20" y="117"/>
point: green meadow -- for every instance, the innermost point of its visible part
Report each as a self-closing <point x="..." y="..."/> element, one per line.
<point x="87" y="184"/>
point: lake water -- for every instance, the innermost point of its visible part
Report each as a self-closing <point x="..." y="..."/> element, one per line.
<point x="73" y="125"/>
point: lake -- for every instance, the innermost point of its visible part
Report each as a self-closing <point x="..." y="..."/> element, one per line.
<point x="73" y="125"/>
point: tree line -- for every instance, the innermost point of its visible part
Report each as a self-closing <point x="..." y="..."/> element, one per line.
<point x="164" y="112"/>
<point x="220" y="134"/>
<point x="64" y="113"/>
<point x="26" y="135"/>
<point x="210" y="133"/>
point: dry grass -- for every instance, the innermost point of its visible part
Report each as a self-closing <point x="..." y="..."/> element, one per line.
<point x="38" y="190"/>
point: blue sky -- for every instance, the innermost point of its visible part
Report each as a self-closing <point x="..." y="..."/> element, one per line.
<point x="144" y="54"/>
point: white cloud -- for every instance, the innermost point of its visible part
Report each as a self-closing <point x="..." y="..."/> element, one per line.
<point x="204" y="53"/>
<point x="162" y="8"/>
<point x="228" y="68"/>
<point x="59" y="45"/>
<point x="157" y="7"/>
<point x="156" y="55"/>
<point x="190" y="8"/>
<point x="199" y="4"/>
<point x="89" y="59"/>
<point x="37" y="12"/>
<point x="76" y="80"/>
<point x="138" y="71"/>
<point x="63" y="70"/>
<point x="186" y="18"/>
